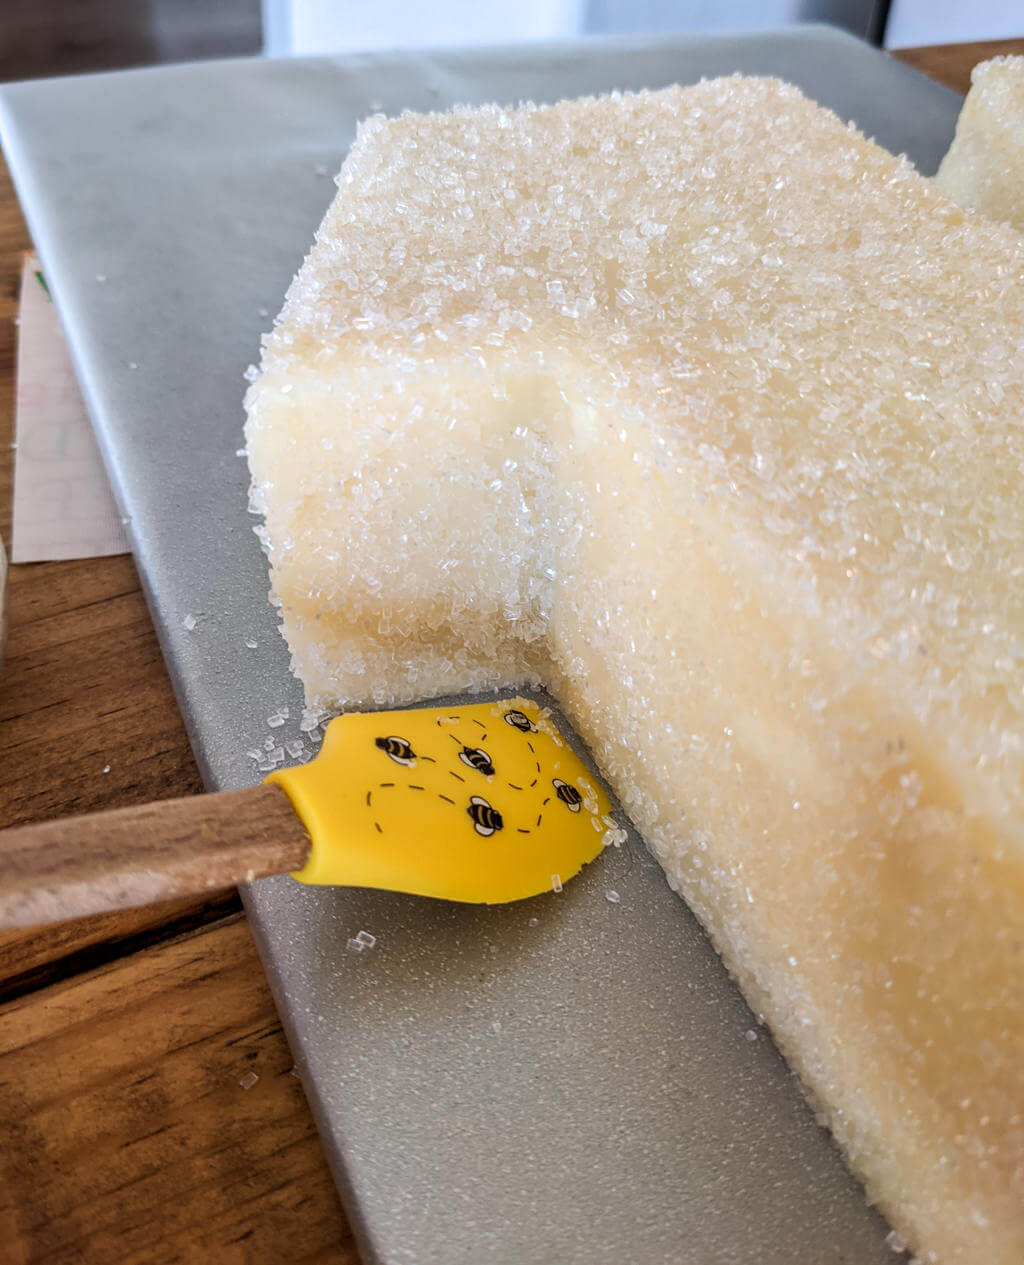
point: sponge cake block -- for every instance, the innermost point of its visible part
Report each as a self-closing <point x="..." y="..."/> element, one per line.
<point x="704" y="411"/>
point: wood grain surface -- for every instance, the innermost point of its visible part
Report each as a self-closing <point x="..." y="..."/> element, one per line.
<point x="150" y="1116"/>
<point x="952" y="64"/>
<point x="125" y="1134"/>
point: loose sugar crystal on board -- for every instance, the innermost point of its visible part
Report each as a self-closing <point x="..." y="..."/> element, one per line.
<point x="703" y="411"/>
<point x="984" y="169"/>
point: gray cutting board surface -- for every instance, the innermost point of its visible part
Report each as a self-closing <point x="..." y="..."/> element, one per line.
<point x="564" y="1080"/>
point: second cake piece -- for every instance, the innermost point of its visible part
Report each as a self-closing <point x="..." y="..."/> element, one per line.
<point x="984" y="169"/>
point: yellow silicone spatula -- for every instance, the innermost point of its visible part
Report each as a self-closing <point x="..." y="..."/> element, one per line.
<point x="485" y="803"/>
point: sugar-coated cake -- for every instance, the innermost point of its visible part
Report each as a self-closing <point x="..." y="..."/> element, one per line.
<point x="984" y="168"/>
<point x="705" y="411"/>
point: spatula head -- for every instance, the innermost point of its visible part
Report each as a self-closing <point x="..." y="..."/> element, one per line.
<point x="484" y="803"/>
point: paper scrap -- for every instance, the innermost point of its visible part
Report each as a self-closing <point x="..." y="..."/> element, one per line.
<point x="63" y="507"/>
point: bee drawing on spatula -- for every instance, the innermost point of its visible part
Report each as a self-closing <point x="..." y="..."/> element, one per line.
<point x="398" y="749"/>
<point x="569" y="795"/>
<point x="486" y="820"/>
<point x="477" y="758"/>
<point x="519" y="720"/>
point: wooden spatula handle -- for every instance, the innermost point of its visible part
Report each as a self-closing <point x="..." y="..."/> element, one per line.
<point x="133" y="856"/>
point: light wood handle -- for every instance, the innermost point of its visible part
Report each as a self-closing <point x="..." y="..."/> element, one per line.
<point x="133" y="856"/>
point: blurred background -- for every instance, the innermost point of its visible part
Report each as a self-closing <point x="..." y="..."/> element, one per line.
<point x="54" y="37"/>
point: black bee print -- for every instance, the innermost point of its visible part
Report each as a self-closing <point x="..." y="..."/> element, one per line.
<point x="519" y="720"/>
<point x="486" y="820"/>
<point x="477" y="758"/>
<point x="569" y="795"/>
<point x="398" y="749"/>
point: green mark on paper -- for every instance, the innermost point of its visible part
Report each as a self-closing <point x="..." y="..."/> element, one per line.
<point x="42" y="281"/>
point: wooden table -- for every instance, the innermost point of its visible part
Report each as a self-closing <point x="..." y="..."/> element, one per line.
<point x="125" y="1133"/>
